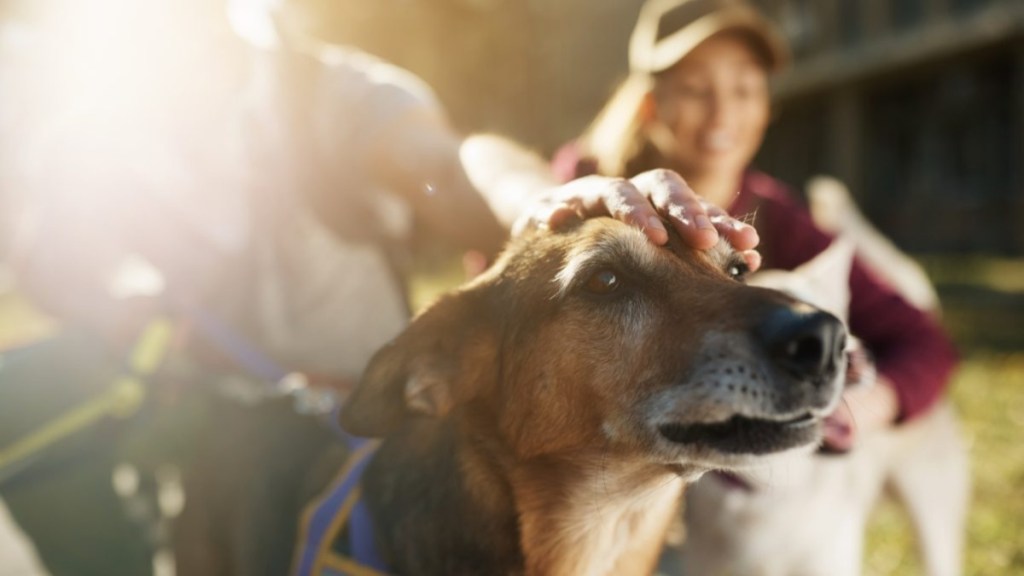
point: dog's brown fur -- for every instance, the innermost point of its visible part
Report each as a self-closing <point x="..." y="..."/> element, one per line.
<point x="534" y="422"/>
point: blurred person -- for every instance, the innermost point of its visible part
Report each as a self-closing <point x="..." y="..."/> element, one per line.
<point x="697" y="101"/>
<point x="271" y="187"/>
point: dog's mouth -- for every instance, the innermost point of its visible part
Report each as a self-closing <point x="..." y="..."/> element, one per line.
<point x="743" y="435"/>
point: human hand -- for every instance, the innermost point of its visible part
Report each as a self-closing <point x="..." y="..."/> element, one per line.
<point x="862" y="409"/>
<point x="643" y="201"/>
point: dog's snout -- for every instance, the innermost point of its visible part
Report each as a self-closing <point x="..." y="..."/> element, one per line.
<point x="806" y="344"/>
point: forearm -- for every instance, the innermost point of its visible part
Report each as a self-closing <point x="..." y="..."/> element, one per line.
<point x="919" y="375"/>
<point x="912" y="351"/>
<point x="504" y="173"/>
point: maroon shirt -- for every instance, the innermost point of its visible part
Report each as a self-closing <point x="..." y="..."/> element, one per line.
<point x="910" y="349"/>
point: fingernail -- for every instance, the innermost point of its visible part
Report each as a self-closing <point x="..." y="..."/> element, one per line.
<point x="654" y="223"/>
<point x="703" y="223"/>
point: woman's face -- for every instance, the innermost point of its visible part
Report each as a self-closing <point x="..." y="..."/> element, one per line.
<point x="715" y="102"/>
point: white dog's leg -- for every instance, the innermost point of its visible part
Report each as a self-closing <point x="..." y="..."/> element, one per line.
<point x="933" y="482"/>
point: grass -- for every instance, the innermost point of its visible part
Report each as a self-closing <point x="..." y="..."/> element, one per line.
<point x="988" y="391"/>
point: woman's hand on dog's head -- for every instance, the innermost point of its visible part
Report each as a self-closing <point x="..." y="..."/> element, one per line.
<point x="646" y="201"/>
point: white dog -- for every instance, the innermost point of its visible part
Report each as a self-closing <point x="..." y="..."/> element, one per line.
<point x="806" y="514"/>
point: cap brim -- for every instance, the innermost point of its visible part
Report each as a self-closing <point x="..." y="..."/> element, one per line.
<point x="648" y="55"/>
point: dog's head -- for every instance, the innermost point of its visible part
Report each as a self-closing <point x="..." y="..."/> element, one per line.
<point x="595" y="339"/>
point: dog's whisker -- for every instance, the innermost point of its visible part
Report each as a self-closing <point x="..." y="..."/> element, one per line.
<point x="749" y="218"/>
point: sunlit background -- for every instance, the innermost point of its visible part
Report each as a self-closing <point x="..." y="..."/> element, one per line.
<point x="917" y="105"/>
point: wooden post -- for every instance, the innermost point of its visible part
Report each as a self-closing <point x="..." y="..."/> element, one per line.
<point x="1017" y="140"/>
<point x="845" y="139"/>
<point x="936" y="10"/>
<point x="876" y="18"/>
<point x="827" y="14"/>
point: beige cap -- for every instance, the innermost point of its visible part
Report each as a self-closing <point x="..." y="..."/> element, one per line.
<point x="668" y="30"/>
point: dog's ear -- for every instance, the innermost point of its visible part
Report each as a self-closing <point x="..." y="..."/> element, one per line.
<point x="441" y="359"/>
<point x="829" y="275"/>
<point x="823" y="281"/>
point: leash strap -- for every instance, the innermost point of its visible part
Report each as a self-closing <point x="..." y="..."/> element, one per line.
<point x="121" y="400"/>
<point x="341" y="506"/>
<point x="324" y="519"/>
<point x="238" y="349"/>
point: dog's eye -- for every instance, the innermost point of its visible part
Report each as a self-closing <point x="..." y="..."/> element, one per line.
<point x="738" y="270"/>
<point x="602" y="282"/>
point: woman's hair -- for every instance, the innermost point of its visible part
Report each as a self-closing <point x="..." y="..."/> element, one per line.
<point x="618" y="133"/>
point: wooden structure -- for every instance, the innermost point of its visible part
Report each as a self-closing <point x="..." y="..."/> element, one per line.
<point x="918" y="105"/>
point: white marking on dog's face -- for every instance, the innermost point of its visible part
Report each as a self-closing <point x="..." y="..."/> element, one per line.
<point x="611" y="254"/>
<point x="630" y="247"/>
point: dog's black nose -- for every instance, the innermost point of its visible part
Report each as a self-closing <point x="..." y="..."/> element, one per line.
<point x="808" y="345"/>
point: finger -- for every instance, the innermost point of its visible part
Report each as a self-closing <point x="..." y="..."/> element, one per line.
<point x="753" y="259"/>
<point x="741" y="235"/>
<point x="686" y="212"/>
<point x="693" y="224"/>
<point x="559" y="214"/>
<point x="627" y="204"/>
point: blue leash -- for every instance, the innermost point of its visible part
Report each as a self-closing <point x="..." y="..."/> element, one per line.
<point x="240" y="351"/>
<point x="360" y="532"/>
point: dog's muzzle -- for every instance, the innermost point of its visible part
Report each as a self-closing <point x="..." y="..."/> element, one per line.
<point x="770" y="398"/>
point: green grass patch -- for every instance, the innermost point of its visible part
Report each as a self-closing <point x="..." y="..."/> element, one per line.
<point x="988" y="390"/>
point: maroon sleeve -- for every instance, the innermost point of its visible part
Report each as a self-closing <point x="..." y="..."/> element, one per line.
<point x="911" y="350"/>
<point x="568" y="164"/>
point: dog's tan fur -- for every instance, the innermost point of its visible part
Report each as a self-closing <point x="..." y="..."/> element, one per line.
<point x="532" y="422"/>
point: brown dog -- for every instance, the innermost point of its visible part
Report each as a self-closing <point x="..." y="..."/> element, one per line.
<point x="545" y="418"/>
